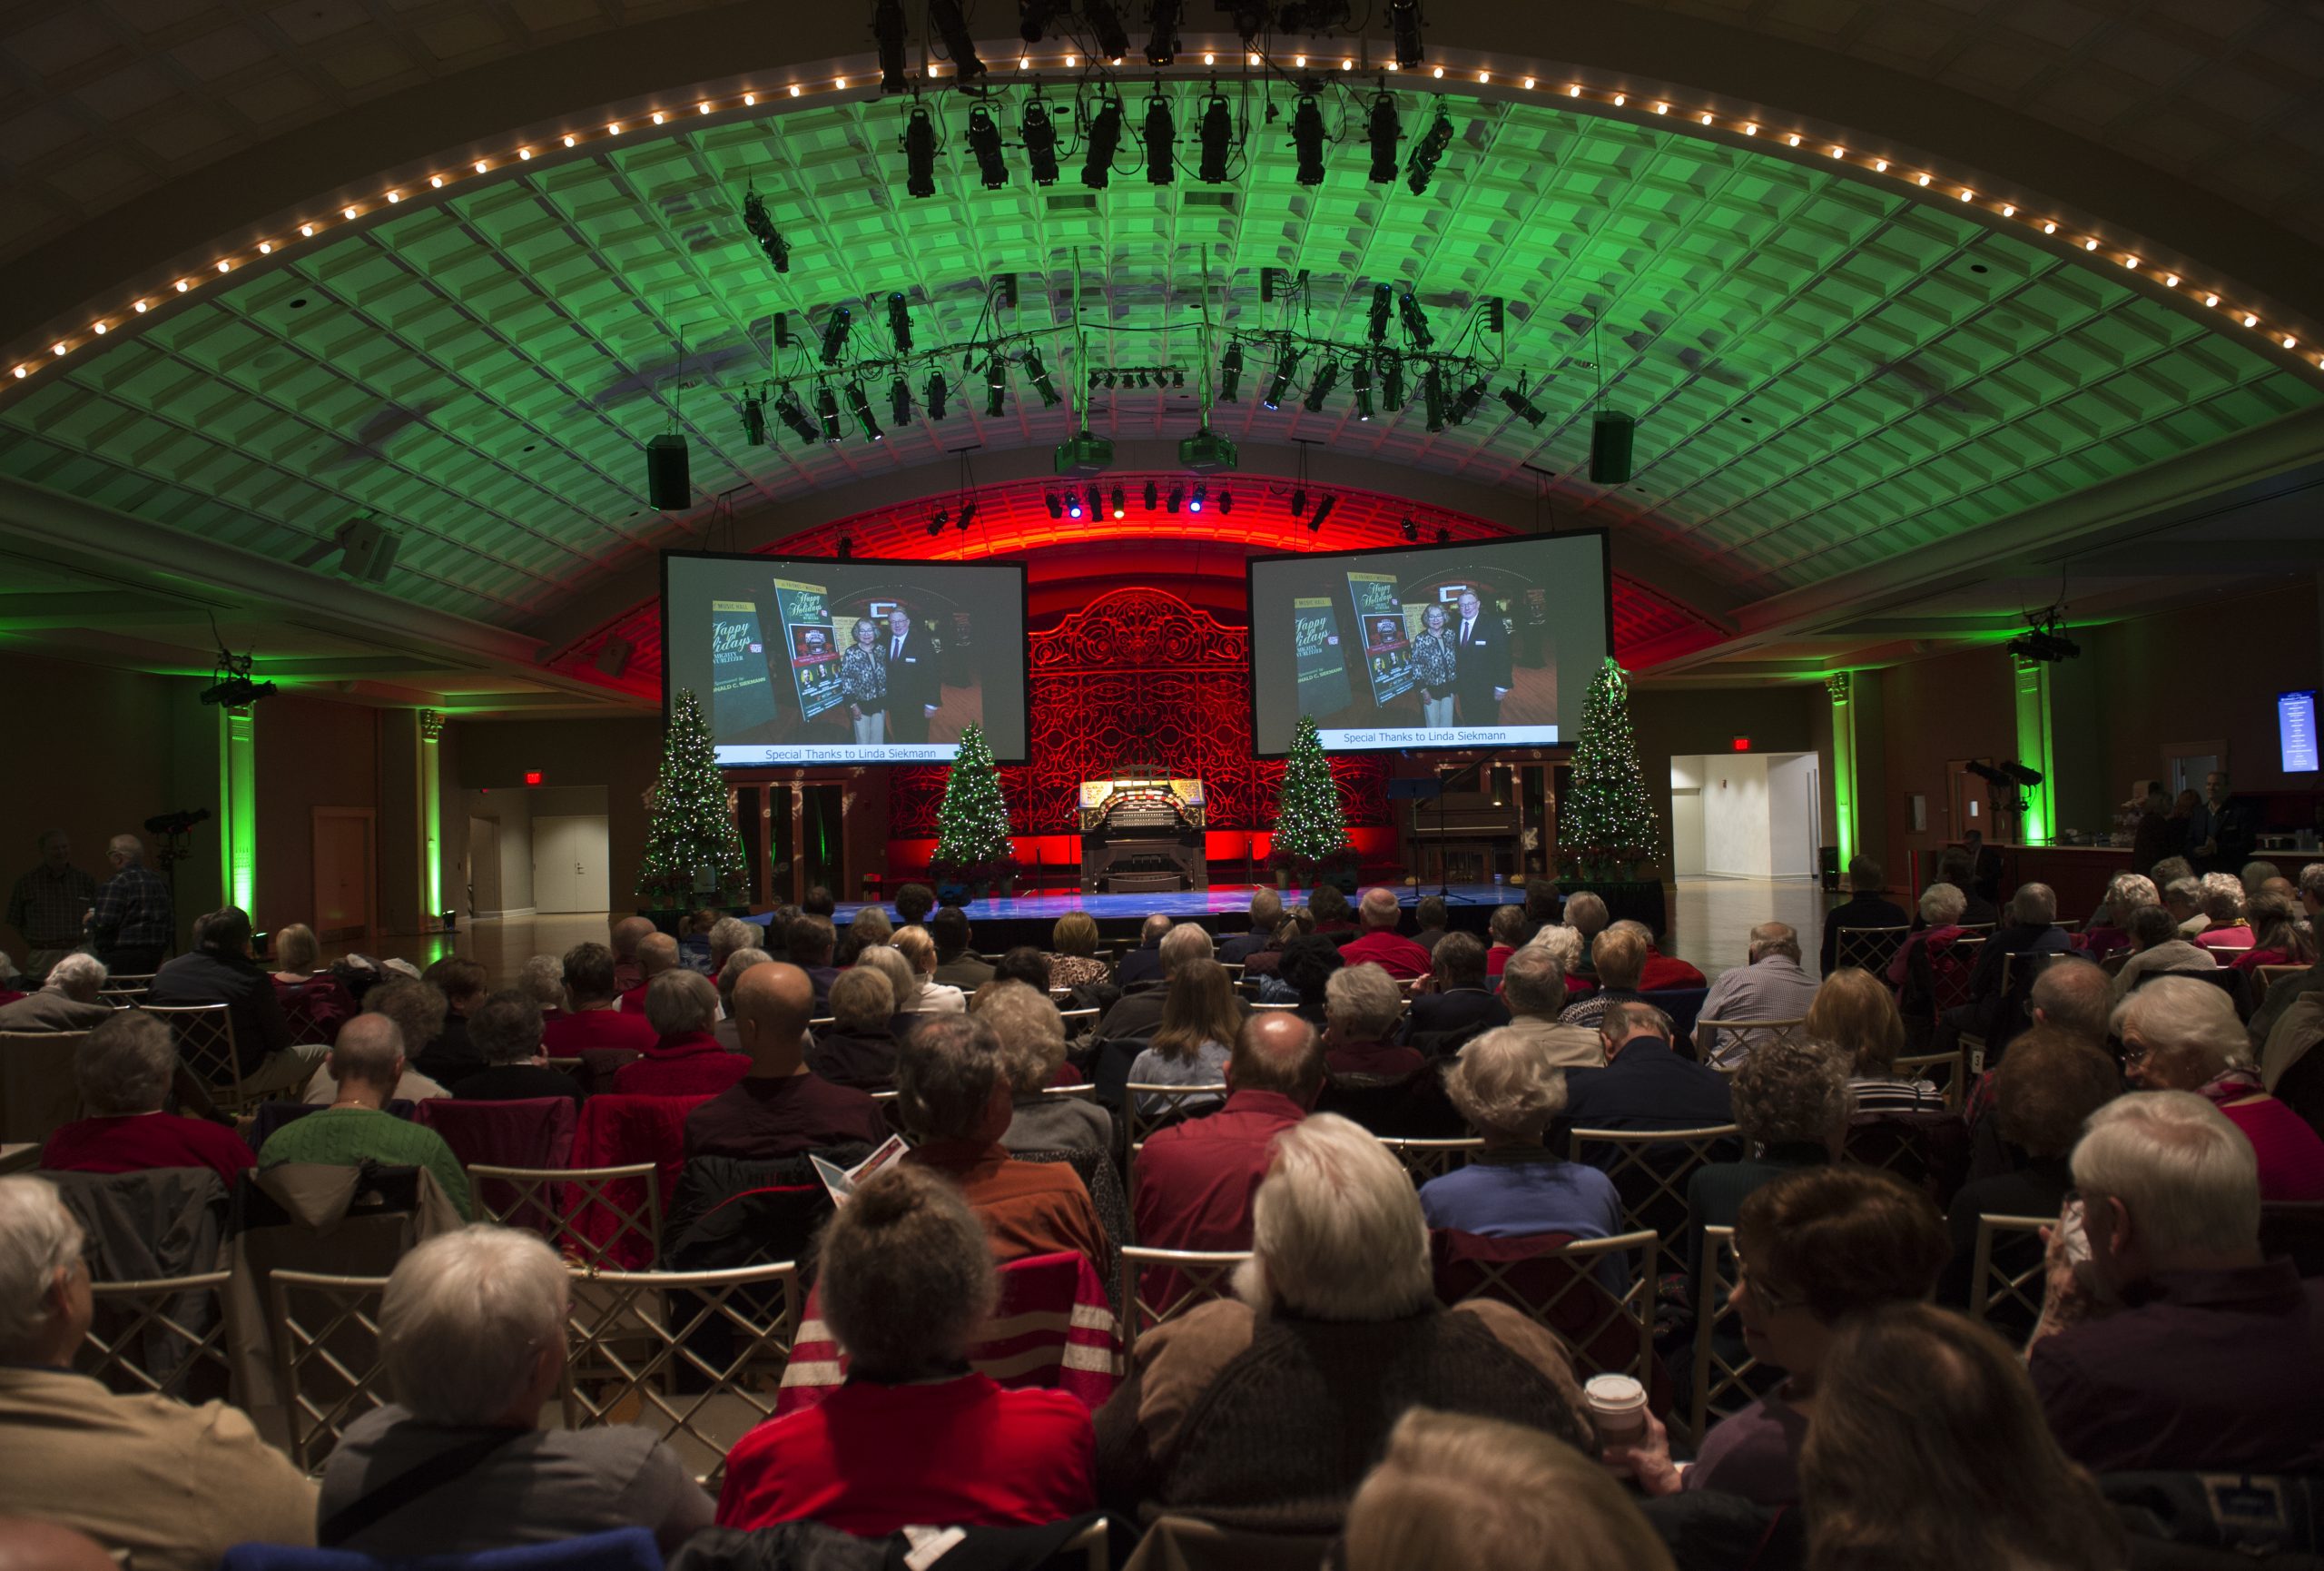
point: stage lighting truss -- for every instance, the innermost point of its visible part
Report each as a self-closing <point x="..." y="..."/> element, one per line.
<point x="1456" y="368"/>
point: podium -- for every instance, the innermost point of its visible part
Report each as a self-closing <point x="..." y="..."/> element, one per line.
<point x="1142" y="833"/>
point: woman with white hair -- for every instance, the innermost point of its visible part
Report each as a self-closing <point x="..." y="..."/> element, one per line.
<point x="917" y="946"/>
<point x="2181" y="1034"/>
<point x="1032" y="1049"/>
<point x="1516" y="1187"/>
<point x="906" y="1283"/>
<point x="1266" y="1410"/>
<point x="1363" y="1008"/>
<point x="472" y="1341"/>
<point x="686" y="1058"/>
<point x="542" y="979"/>
<point x="1911" y="970"/>
<point x="2221" y="901"/>
<point x="2109" y="927"/>
<point x="123" y="1070"/>
<point x="315" y="1004"/>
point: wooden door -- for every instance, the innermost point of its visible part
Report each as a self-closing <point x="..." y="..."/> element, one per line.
<point x="342" y="873"/>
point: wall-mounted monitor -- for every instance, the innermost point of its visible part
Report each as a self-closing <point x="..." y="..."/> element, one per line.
<point x="2296" y="730"/>
<point x="808" y="660"/>
<point x="1475" y="643"/>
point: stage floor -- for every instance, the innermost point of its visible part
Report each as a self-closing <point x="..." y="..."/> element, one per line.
<point x="1218" y="900"/>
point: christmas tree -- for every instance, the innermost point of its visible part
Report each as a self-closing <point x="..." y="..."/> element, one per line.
<point x="1308" y="827"/>
<point x="1607" y="816"/>
<point x="692" y="851"/>
<point x="972" y="822"/>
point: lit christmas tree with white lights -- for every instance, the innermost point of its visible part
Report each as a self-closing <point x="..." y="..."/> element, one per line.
<point x="1309" y="824"/>
<point x="693" y="853"/>
<point x="972" y="822"/>
<point x="1607" y="816"/>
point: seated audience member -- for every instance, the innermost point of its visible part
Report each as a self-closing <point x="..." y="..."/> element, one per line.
<point x="2173" y="1344"/>
<point x="726" y="976"/>
<point x="2030" y="929"/>
<point x="1770" y="985"/>
<point x="416" y="1010"/>
<point x="2222" y="904"/>
<point x="594" y="1017"/>
<point x="123" y="1070"/>
<point x="1137" y="1015"/>
<point x="314" y="1005"/>
<point x="1200" y="1022"/>
<point x="777" y="1107"/>
<point x="1638" y="1083"/>
<point x="1812" y="1248"/>
<point x="1361" y="1010"/>
<point x="1618" y="959"/>
<point x="1929" y="1453"/>
<point x="2257" y="875"/>
<point x="452" y="1057"/>
<point x="1144" y="964"/>
<point x="857" y="1049"/>
<point x="70" y="1000"/>
<point x="2285" y="991"/>
<point x="2183" y="898"/>
<point x="1266" y="913"/>
<point x="1587" y="914"/>
<point x="809" y="944"/>
<point x="933" y="997"/>
<point x="1303" y="975"/>
<point x="163" y="1485"/>
<point x="505" y="1030"/>
<point x="903" y="984"/>
<point x="1263" y="965"/>
<point x="1024" y="963"/>
<point x="1516" y="1187"/>
<point x="2171" y="869"/>
<point x="1791" y="1111"/>
<point x="472" y="1343"/>
<point x="913" y="902"/>
<point x="2277" y="936"/>
<point x="1195" y="1179"/>
<point x="1464" y="1494"/>
<point x="366" y="1062"/>
<point x="656" y="953"/>
<point x="2180" y="1034"/>
<point x="1565" y="944"/>
<point x="623" y="939"/>
<point x="2158" y="950"/>
<point x="1381" y="945"/>
<point x="956" y="960"/>
<point x="1934" y="933"/>
<point x="1459" y="1001"/>
<point x="1073" y="952"/>
<point x="685" y="1059"/>
<point x="819" y="902"/>
<point x="728" y="934"/>
<point x="905" y="1282"/>
<point x="1958" y="867"/>
<point x="2048" y="1083"/>
<point x="872" y="924"/>
<point x="1264" y="1410"/>
<point x="218" y="970"/>
<point x="541" y="979"/>
<point x="2109" y="927"/>
<point x="955" y="1104"/>
<point x="1662" y="972"/>
<point x="1855" y="1012"/>
<point x="1032" y="1051"/>
<point x="1868" y="905"/>
<point x="1532" y="988"/>
<point x="1506" y="928"/>
<point x="2077" y="1000"/>
<point x="1333" y="914"/>
<point x="1431" y="918"/>
<point x="694" y="940"/>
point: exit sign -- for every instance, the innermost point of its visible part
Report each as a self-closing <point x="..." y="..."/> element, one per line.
<point x="532" y="777"/>
<point x="1742" y="745"/>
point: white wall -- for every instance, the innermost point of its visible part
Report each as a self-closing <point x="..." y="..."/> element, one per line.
<point x="1735" y="816"/>
<point x="514" y="813"/>
<point x="1687" y="854"/>
<point x="1791" y="814"/>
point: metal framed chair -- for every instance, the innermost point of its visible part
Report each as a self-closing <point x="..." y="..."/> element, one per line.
<point x="2266" y="976"/>
<point x="567" y="1065"/>
<point x="1428" y="1159"/>
<point x="1737" y="1038"/>
<point x="326" y="1335"/>
<point x="204" y="1036"/>
<point x="822" y="1020"/>
<point x="1186" y="1277"/>
<point x="38" y="1093"/>
<point x="1147" y="1108"/>
<point x="1869" y="948"/>
<point x="552" y="1203"/>
<point x="126" y="991"/>
<point x="1955" y="1064"/>
<point x="1721" y="1385"/>
<point x="1650" y="1168"/>
<point x="1610" y="1332"/>
<point x="1085" y="1091"/>
<point x="696" y="1356"/>
<point x="164" y="1338"/>
<point x="2013" y="1286"/>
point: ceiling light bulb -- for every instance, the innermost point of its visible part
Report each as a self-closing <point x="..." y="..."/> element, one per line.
<point x="2251" y="320"/>
<point x="97" y="326"/>
<point x="2050" y="228"/>
<point x="1573" y="90"/>
<point x="307" y="229"/>
<point x="181" y="286"/>
<point x="703" y="107"/>
<point x="1706" y="120"/>
<point x="1839" y="151"/>
<point x="1529" y="84"/>
<point x="1663" y="109"/>
<point x="2131" y="262"/>
<point x="614" y="129"/>
<point x="1968" y="195"/>
<point x="348" y="212"/>
<point x="1439" y="72"/>
<point x="2090" y="245"/>
<point x="2171" y="280"/>
<point x="1206" y="60"/>
<point x="57" y="346"/>
<point x="141" y="308"/>
<point x="750" y="98"/>
<point x="2210" y="300"/>
<point x="1792" y="139"/>
<point x="1347" y="64"/>
<point x="481" y="166"/>
<point x="794" y="90"/>
<point x="657" y="117"/>
<point x="1620" y="99"/>
<point x="1300" y="60"/>
<point x="840" y="83"/>
<point x="266" y="248"/>
<point x="568" y="142"/>
<point x="1484" y="76"/>
<point x="2289" y="341"/>
<point x="1880" y="166"/>
<point x="20" y="373"/>
<point x="224" y="265"/>
<point x="2009" y="210"/>
<point x="524" y="152"/>
<point x="397" y="195"/>
<point x="1749" y="129"/>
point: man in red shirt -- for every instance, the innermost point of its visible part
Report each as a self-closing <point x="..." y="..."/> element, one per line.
<point x="779" y="1109"/>
<point x="124" y="1069"/>
<point x="594" y="1017"/>
<point x="685" y="1059"/>
<point x="1381" y="945"/>
<point x="1195" y="1179"/>
<point x="1662" y="970"/>
<point x="656" y="953"/>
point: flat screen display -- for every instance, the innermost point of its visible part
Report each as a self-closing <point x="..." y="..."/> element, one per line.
<point x="1476" y="644"/>
<point x="807" y="660"/>
<point x="2296" y="729"/>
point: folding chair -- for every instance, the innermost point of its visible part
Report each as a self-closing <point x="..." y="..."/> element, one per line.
<point x="1147" y="1108"/>
<point x="696" y="1356"/>
<point x="822" y="1020"/>
<point x="326" y="1335"/>
<point x="38" y="1093"/>
<point x="1428" y="1159"/>
<point x="1956" y="1083"/>
<point x="1078" y="1023"/>
<point x="204" y="1036"/>
<point x="2008" y="1275"/>
<point x="1869" y="948"/>
<point x="1722" y="1386"/>
<point x="598" y="1218"/>
<point x="2264" y="977"/>
<point x="1555" y="1281"/>
<point x="126" y="991"/>
<point x="164" y="1338"/>
<point x="1160" y="1285"/>
<point x="1650" y="1168"/>
<point x="1929" y="1151"/>
<point x="1085" y="1091"/>
<point x="1737" y="1038"/>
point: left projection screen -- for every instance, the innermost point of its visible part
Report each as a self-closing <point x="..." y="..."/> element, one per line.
<point x="808" y="660"/>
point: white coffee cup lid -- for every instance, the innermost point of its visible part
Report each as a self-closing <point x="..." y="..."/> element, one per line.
<point x="1614" y="1393"/>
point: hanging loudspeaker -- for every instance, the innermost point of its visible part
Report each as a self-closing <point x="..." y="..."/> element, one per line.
<point x="666" y="482"/>
<point x="367" y="551"/>
<point x="612" y="656"/>
<point x="1609" y="448"/>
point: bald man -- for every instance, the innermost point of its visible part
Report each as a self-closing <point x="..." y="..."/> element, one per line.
<point x="656" y="953"/>
<point x="780" y="1108"/>
<point x="2076" y="999"/>
<point x="1381" y="945"/>
<point x="366" y="1064"/>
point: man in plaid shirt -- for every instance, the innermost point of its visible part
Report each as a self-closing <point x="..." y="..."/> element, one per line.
<point x="133" y="923"/>
<point x="47" y="903"/>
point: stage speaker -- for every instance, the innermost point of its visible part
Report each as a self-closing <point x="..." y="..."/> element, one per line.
<point x="1609" y="448"/>
<point x="612" y="656"/>
<point x="666" y="481"/>
<point x="366" y="551"/>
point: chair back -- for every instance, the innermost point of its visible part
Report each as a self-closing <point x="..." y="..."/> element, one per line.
<point x="1650" y="1168"/>
<point x="164" y="1338"/>
<point x="154" y="1242"/>
<point x="620" y="1131"/>
<point x="1597" y="1294"/>
<point x="1160" y="1285"/>
<point x="531" y="1133"/>
<point x="1383" y="1103"/>
<point x="2266" y="976"/>
<point x="2295" y="1228"/>
<point x="1869" y="948"/>
<point x="1948" y="1071"/>
<point x="620" y="1549"/>
<point x="1149" y="1107"/>
<point x="124" y="989"/>
<point x="204" y="1036"/>
<point x="1428" y="1159"/>
<point x="1683" y="1005"/>
<point x="597" y="1217"/>
<point x="326" y="1335"/>
<point x="1724" y="1367"/>
<point x="38" y="1094"/>
<point x="1950" y="966"/>
<point x="2006" y="1283"/>
<point x="1737" y="1038"/>
<point x="1927" y="1149"/>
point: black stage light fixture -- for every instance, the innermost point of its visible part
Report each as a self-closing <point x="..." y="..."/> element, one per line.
<point x="1298" y="502"/>
<point x="1323" y="510"/>
<point x="1217" y="140"/>
<point x="945" y="16"/>
<point x="1073" y="504"/>
<point x="1443" y="536"/>
<point x="1162" y="43"/>
<point x="1057" y="509"/>
<point x="755" y="418"/>
<point x="936" y="522"/>
<point x="1121" y="508"/>
<point x="1392" y="381"/>
<point x="827" y="411"/>
<point x="1386" y="129"/>
<point x="1154" y="495"/>
<point x="887" y="30"/>
<point x="1039" y="133"/>
<point x="899" y="401"/>
<point x="235" y="690"/>
<point x="1035" y="18"/>
<point x="1161" y="134"/>
<point x="899" y="322"/>
<point x="1225" y="502"/>
<point x="984" y="142"/>
<point x="1432" y="388"/>
<point x="919" y="153"/>
<point x="1195" y="500"/>
<point x="1410" y="531"/>
<point x="1307" y="138"/>
<point x="860" y="407"/>
<point x="1415" y="322"/>
<point x="1524" y="408"/>
<point x="1496" y="313"/>
<point x="1113" y="39"/>
<point x="1178" y="498"/>
<point x="1039" y="376"/>
<point x="1178" y="379"/>
<point x="968" y="516"/>
<point x="1269" y="278"/>
<point x="1422" y="166"/>
<point x="846" y="547"/>
<point x="1403" y="26"/>
<point x="835" y="333"/>
<point x="1360" y="383"/>
<point x="1096" y="503"/>
<point x="1326" y="376"/>
<point x="1105" y="141"/>
<point x="1008" y="280"/>
<point x="996" y="386"/>
<point x="1287" y="366"/>
<point x="1465" y="406"/>
<point x="936" y="391"/>
<point x="763" y="230"/>
<point x="791" y="412"/>
<point x="1250" y="19"/>
<point x="1384" y="305"/>
<point x="1230" y="374"/>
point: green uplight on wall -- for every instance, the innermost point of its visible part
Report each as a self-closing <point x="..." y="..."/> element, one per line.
<point x="431" y="727"/>
<point x="1843" y="763"/>
<point x="2033" y="749"/>
<point x="238" y="795"/>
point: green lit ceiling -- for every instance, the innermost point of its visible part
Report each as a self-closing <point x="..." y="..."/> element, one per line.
<point x="1828" y="373"/>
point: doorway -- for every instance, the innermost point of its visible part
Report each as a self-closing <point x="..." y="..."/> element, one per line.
<point x="484" y="866"/>
<point x="342" y="872"/>
<point x="569" y="863"/>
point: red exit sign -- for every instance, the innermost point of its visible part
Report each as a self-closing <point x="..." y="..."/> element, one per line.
<point x="1742" y="745"/>
<point x="532" y="777"/>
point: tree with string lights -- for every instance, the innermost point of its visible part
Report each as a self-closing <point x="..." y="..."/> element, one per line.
<point x="693" y="853"/>
<point x="1607" y="816"/>
<point x="1310" y="832"/>
<point x="972" y="843"/>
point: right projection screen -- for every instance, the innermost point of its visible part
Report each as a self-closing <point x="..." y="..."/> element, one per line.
<point x="1475" y="643"/>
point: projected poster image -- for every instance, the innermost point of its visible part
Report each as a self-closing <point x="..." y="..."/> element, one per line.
<point x="1476" y="645"/>
<point x="824" y="662"/>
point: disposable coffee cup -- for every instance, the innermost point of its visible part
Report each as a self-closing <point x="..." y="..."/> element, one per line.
<point x="1617" y="1406"/>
